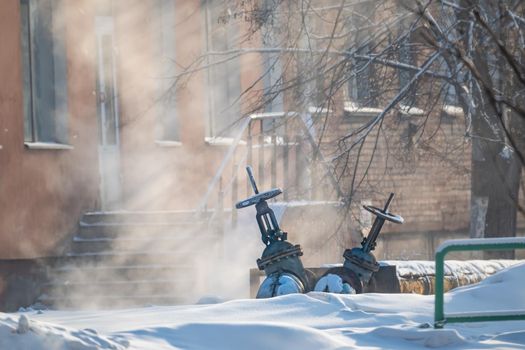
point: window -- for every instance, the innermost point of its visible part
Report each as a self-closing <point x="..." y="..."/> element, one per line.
<point x="361" y="86"/>
<point x="168" y="125"/>
<point x="224" y="80"/>
<point x="272" y="79"/>
<point x="406" y="55"/>
<point x="451" y="109"/>
<point x="448" y="90"/>
<point x="451" y="97"/>
<point x="271" y="68"/>
<point x="44" y="71"/>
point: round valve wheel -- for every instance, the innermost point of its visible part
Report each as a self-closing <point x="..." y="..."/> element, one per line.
<point x="263" y="196"/>
<point x="384" y="215"/>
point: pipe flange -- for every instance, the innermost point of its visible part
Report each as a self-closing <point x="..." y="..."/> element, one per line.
<point x="361" y="259"/>
<point x="290" y="252"/>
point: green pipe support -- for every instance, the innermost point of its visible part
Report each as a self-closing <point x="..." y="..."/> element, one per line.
<point x="475" y="244"/>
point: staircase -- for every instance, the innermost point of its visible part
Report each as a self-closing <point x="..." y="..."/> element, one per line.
<point x="120" y="259"/>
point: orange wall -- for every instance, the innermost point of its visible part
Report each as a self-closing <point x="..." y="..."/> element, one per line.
<point x="44" y="192"/>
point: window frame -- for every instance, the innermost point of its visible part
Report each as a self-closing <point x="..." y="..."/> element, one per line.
<point x="363" y="72"/>
<point x="168" y="124"/>
<point x="44" y="78"/>
<point x="217" y="126"/>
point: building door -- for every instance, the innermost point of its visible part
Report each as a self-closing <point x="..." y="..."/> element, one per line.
<point x="108" y="121"/>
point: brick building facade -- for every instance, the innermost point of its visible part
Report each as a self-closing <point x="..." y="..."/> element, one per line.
<point x="119" y="138"/>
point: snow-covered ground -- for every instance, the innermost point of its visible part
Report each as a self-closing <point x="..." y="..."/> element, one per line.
<point x="313" y="321"/>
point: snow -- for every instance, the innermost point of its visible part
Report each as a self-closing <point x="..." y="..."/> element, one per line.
<point x="506" y="153"/>
<point x="333" y="284"/>
<point x="318" y="110"/>
<point x="297" y="321"/>
<point x="26" y="333"/>
<point x="411" y="110"/>
<point x="221" y="141"/>
<point x="354" y="109"/>
<point x="453" y="111"/>
<point x="279" y="284"/>
<point x="503" y="291"/>
<point x="271" y="115"/>
<point x="415" y="268"/>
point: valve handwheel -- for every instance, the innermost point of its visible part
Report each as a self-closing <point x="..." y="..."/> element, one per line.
<point x="259" y="197"/>
<point x="384" y="214"/>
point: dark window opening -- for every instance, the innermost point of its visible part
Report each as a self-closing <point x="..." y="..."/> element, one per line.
<point x="224" y="81"/>
<point x="44" y="71"/>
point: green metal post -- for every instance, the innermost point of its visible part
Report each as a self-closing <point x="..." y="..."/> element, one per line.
<point x="506" y="243"/>
<point x="439" y="316"/>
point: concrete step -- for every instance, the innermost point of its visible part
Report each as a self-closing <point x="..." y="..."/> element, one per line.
<point x="151" y="243"/>
<point x="90" y="289"/>
<point x="122" y="283"/>
<point x="144" y="256"/>
<point x="143" y="216"/>
<point x="114" y="230"/>
<point x="131" y="259"/>
<point x="115" y="273"/>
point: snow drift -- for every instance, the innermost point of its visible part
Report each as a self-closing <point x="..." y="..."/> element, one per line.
<point x="312" y="321"/>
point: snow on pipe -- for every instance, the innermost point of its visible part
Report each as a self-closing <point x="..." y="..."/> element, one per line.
<point x="419" y="276"/>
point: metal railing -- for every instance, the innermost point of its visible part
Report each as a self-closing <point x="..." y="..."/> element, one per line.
<point x="277" y="145"/>
<point x="476" y="244"/>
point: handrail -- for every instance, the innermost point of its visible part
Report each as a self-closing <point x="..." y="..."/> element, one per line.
<point x="231" y="151"/>
<point x="272" y="115"/>
<point x="305" y="118"/>
<point x="475" y="244"/>
<point x="229" y="154"/>
<point x="246" y="124"/>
